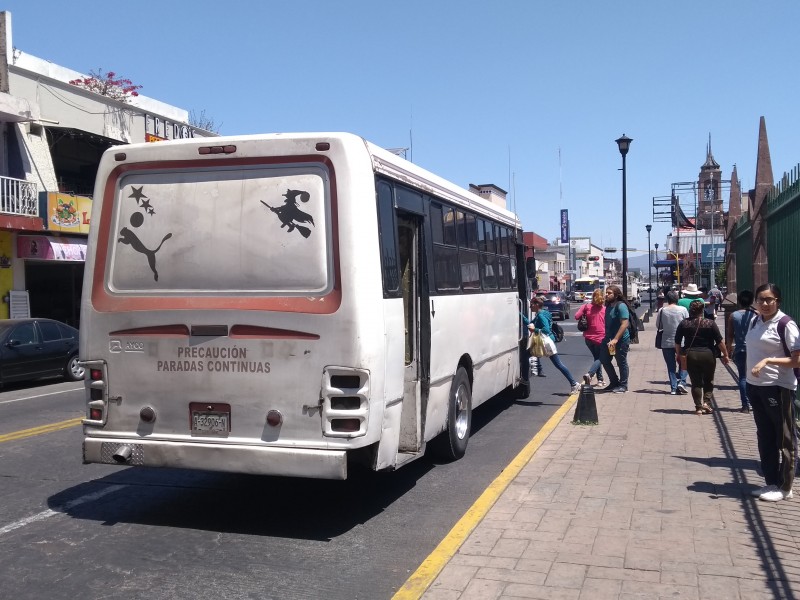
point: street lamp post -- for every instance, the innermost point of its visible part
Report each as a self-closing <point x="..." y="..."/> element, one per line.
<point x="649" y="267"/>
<point x="624" y="143"/>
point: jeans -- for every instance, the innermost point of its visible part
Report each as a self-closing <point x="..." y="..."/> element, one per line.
<point x="564" y="371"/>
<point x="674" y="373"/>
<point x="622" y="363"/>
<point x="595" y="348"/>
<point x="740" y="360"/>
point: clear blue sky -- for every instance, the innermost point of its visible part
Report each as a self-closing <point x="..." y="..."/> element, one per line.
<point x="488" y="91"/>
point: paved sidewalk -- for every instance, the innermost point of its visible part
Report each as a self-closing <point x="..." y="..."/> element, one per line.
<point x="653" y="502"/>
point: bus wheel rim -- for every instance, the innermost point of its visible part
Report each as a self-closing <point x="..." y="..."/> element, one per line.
<point x="462" y="413"/>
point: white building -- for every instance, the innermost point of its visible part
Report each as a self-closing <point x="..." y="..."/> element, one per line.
<point x="53" y="136"/>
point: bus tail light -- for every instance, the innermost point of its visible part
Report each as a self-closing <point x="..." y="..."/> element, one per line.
<point x="97" y="393"/>
<point x="345" y="402"/>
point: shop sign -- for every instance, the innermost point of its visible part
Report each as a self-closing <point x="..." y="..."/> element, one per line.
<point x="51" y="248"/>
<point x="157" y="129"/>
<point x="68" y="213"/>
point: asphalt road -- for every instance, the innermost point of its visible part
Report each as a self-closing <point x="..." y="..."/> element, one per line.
<point x="69" y="530"/>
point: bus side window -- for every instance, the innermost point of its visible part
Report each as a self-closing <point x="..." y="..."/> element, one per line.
<point x="388" y="240"/>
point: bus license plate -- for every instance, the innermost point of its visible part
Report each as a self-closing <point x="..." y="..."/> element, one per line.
<point x="210" y="420"/>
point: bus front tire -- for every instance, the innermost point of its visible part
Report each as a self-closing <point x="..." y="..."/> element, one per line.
<point x="452" y="443"/>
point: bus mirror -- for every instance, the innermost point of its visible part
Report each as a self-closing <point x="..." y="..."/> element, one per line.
<point x="530" y="268"/>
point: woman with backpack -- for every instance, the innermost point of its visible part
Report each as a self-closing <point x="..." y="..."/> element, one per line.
<point x="773" y="355"/>
<point x="542" y="322"/>
<point x="594" y="314"/>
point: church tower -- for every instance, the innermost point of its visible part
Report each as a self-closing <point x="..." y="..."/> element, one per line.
<point x="709" y="196"/>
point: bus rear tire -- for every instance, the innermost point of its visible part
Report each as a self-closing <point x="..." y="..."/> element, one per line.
<point x="452" y="443"/>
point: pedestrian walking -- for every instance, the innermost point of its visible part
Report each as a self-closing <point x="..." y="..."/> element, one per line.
<point x="541" y="321"/>
<point x="695" y="339"/>
<point x="739" y="323"/>
<point x="595" y="314"/>
<point x="689" y="293"/>
<point x="617" y="340"/>
<point x="668" y="319"/>
<point x="773" y="352"/>
<point x="710" y="307"/>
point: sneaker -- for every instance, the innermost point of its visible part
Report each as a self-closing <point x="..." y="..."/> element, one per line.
<point x="744" y="409"/>
<point x="763" y="490"/>
<point x="541" y="375"/>
<point x="587" y="379"/>
<point x="620" y="389"/>
<point x="775" y="495"/>
<point x="682" y="388"/>
<point x="576" y="387"/>
<point x="672" y="392"/>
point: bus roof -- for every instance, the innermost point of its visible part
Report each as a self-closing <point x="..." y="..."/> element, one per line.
<point x="399" y="169"/>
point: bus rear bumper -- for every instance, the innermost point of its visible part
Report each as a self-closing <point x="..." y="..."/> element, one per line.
<point x="232" y="458"/>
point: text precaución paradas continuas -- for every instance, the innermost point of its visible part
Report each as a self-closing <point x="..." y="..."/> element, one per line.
<point x="217" y="360"/>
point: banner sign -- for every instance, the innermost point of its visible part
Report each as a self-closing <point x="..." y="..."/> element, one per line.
<point x="718" y="253"/>
<point x="564" y="226"/>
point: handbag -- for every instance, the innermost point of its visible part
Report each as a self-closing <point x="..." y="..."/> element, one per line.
<point x="535" y="345"/>
<point x="549" y="345"/>
<point x="659" y="332"/>
<point x="583" y="323"/>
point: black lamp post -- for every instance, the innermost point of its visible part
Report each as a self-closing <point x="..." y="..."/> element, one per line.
<point x="649" y="267"/>
<point x="624" y="143"/>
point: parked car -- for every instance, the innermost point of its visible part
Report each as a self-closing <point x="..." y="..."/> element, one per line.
<point x="34" y="348"/>
<point x="556" y="302"/>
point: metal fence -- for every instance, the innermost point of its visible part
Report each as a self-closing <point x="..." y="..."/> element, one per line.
<point x="783" y="243"/>
<point x="18" y="197"/>
<point x="783" y="240"/>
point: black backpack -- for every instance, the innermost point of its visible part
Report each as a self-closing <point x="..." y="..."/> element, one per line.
<point x="634" y="326"/>
<point x="558" y="331"/>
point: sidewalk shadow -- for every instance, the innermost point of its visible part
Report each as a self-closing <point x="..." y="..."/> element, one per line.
<point x="725" y="490"/>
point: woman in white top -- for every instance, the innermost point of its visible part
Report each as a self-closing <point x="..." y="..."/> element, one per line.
<point x="773" y="351"/>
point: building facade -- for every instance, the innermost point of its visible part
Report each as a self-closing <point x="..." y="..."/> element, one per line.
<point x="54" y="134"/>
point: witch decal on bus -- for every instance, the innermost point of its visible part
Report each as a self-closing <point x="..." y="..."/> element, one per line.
<point x="129" y="237"/>
<point x="290" y="214"/>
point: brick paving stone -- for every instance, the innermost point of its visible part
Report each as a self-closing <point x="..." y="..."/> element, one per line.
<point x="512" y="576"/>
<point x="600" y="589"/>
<point x="539" y="592"/>
<point x="483" y="589"/>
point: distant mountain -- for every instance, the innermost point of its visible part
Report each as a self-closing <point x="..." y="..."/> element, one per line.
<point x="638" y="262"/>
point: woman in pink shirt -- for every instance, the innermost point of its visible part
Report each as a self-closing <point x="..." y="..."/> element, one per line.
<point x="596" y="316"/>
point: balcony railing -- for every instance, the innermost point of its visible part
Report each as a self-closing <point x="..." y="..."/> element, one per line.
<point x="18" y="197"/>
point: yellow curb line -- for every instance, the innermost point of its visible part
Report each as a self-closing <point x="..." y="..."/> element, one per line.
<point x="18" y="435"/>
<point x="426" y="573"/>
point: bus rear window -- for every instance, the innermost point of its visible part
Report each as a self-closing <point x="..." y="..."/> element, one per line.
<point x="262" y="230"/>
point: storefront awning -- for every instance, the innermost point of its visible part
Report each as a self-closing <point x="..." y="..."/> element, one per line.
<point x="45" y="247"/>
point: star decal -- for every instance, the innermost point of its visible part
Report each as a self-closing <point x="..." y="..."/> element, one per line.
<point x="150" y="210"/>
<point x="137" y="194"/>
<point x="146" y="204"/>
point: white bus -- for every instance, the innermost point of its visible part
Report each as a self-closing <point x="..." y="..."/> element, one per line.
<point x="584" y="286"/>
<point x="288" y="304"/>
